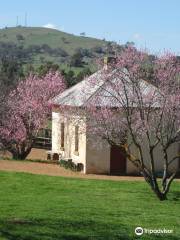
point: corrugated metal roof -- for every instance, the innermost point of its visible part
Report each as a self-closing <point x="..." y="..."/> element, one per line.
<point x="79" y="94"/>
<point x="96" y="90"/>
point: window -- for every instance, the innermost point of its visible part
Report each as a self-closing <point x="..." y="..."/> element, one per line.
<point x="76" y="139"/>
<point x="62" y="135"/>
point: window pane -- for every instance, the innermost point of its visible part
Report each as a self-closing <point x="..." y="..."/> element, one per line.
<point x="76" y="138"/>
<point x="62" y="135"/>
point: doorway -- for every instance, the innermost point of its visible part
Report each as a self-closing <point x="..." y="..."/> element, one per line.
<point x="117" y="161"/>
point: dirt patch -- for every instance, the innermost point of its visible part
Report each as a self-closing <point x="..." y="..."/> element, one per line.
<point x="35" y="153"/>
<point x="51" y="169"/>
<point x="55" y="170"/>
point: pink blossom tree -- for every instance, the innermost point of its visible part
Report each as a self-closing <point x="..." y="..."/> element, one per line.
<point x="128" y="110"/>
<point x="28" y="108"/>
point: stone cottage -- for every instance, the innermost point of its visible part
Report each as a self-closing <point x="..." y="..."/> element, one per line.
<point x="70" y="133"/>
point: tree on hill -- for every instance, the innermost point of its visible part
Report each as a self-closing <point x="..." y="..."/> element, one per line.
<point x="13" y="52"/>
<point x="82" y="74"/>
<point x="83" y="34"/>
<point x="20" y="37"/>
<point x="10" y="73"/>
<point x="27" y="110"/>
<point x="98" y="50"/>
<point x="45" y="68"/>
<point x="69" y="77"/>
<point x="145" y="117"/>
<point x="129" y="44"/>
<point x="77" y="59"/>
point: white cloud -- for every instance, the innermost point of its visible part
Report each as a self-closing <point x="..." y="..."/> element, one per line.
<point x="137" y="36"/>
<point x="50" y="25"/>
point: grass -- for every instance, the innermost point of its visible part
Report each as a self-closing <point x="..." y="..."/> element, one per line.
<point x="53" y="38"/>
<point x="44" y="208"/>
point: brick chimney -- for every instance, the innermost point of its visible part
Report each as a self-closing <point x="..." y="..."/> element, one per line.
<point x="109" y="61"/>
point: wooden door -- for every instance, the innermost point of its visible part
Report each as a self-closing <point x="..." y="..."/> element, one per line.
<point x="117" y="161"/>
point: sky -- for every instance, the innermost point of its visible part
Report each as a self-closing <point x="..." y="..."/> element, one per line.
<point x="150" y="24"/>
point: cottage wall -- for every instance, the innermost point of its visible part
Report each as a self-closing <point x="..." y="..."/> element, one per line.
<point x="158" y="157"/>
<point x="97" y="155"/>
<point x="80" y="155"/>
<point x="56" y="130"/>
<point x="94" y="153"/>
<point x="68" y="152"/>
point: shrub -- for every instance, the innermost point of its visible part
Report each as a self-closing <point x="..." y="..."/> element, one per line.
<point x="69" y="164"/>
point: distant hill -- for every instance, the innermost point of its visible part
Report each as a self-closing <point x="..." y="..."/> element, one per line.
<point x="53" y="38"/>
<point x="45" y="44"/>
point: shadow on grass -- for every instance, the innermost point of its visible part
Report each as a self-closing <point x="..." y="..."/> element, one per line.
<point x="19" y="229"/>
<point x="22" y="229"/>
<point x="175" y="196"/>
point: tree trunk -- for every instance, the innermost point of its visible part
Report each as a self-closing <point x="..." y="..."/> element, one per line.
<point x="161" y="196"/>
<point x="20" y="151"/>
<point x="20" y="156"/>
<point x="152" y="181"/>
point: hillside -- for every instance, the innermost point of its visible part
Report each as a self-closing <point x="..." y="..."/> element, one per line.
<point x="43" y="44"/>
<point x="37" y="49"/>
<point x="51" y="37"/>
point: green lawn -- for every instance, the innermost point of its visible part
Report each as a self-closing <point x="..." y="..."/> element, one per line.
<point x="36" y="207"/>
